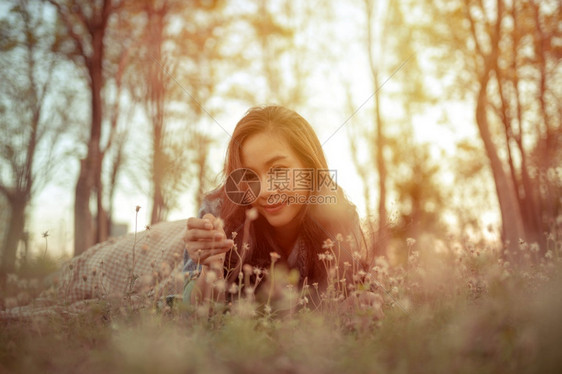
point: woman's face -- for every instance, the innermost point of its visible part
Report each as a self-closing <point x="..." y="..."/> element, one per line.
<point x="271" y="157"/>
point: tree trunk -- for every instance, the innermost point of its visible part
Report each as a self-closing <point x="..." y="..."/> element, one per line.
<point x="382" y="240"/>
<point x="83" y="225"/>
<point x="512" y="222"/>
<point x="157" y="172"/>
<point x="89" y="180"/>
<point x="13" y="234"/>
<point x="382" y="234"/>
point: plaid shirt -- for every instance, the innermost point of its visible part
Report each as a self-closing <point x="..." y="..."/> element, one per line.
<point x="105" y="271"/>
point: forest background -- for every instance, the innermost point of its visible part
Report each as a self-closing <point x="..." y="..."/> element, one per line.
<point x="442" y="118"/>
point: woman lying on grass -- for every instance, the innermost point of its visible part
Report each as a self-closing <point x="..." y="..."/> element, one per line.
<point x="279" y="204"/>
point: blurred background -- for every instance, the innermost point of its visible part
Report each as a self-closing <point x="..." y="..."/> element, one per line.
<point x="442" y="118"/>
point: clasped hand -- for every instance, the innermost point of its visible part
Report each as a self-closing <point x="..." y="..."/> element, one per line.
<point x="205" y="240"/>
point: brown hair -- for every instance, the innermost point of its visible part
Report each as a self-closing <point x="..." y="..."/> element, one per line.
<point x="318" y="221"/>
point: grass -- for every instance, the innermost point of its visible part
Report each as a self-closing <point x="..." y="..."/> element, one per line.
<point x="465" y="310"/>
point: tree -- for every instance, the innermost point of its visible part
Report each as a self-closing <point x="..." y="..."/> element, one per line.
<point x="386" y="32"/>
<point x="510" y="65"/>
<point x="82" y="31"/>
<point x="178" y="66"/>
<point x="31" y="125"/>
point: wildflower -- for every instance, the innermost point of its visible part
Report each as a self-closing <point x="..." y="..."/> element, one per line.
<point x="137" y="208"/>
<point x="233" y="288"/>
<point x="321" y="256"/>
<point x="247" y="268"/>
<point x="548" y="254"/>
<point x="381" y="262"/>
<point x="252" y="214"/>
<point x="356" y="255"/>
<point x="220" y="285"/>
<point x="45" y="234"/>
<point x="257" y="271"/>
<point x="339" y="237"/>
<point x="245" y="246"/>
<point x="211" y="277"/>
<point x="234" y="235"/>
<point x="410" y="242"/>
<point x="328" y="244"/>
<point x="534" y="247"/>
<point x="147" y="227"/>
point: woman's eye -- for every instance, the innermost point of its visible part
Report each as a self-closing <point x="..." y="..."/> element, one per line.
<point x="251" y="177"/>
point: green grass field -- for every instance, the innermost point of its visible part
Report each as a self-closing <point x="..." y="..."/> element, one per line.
<point x="459" y="311"/>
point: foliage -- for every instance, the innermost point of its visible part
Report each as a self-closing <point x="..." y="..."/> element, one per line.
<point x="459" y="310"/>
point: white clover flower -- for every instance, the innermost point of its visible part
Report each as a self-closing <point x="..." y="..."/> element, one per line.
<point x="211" y="277"/>
<point x="233" y="289"/>
<point x="252" y="214"/>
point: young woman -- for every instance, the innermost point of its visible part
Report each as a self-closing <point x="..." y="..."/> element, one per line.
<point x="299" y="213"/>
<point x="278" y="202"/>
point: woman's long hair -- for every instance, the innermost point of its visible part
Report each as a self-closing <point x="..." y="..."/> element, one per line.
<point x="319" y="222"/>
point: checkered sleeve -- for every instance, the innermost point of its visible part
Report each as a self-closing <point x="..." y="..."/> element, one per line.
<point x="148" y="262"/>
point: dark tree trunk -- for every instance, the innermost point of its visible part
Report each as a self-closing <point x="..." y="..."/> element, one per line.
<point x="14" y="234"/>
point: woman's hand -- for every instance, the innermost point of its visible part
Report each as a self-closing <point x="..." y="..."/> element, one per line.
<point x="206" y="241"/>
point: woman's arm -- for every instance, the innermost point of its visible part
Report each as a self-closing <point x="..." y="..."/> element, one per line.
<point x="206" y="245"/>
